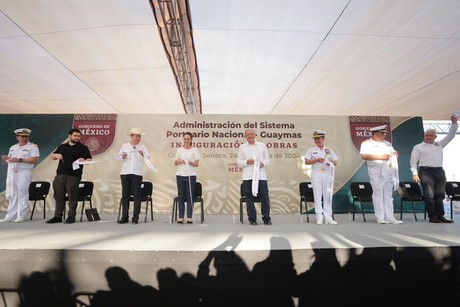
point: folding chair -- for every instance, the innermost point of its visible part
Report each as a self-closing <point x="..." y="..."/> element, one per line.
<point x="410" y="191"/>
<point x="453" y="192"/>
<point x="85" y="194"/>
<point x="38" y="190"/>
<point x="362" y="193"/>
<point x="306" y="196"/>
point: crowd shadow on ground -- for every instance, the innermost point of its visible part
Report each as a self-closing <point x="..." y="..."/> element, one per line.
<point x="385" y="275"/>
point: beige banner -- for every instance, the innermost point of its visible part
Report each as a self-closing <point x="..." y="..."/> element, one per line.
<point x="217" y="138"/>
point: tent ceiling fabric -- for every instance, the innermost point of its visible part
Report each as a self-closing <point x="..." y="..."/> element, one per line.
<point x="299" y="57"/>
<point x="84" y="56"/>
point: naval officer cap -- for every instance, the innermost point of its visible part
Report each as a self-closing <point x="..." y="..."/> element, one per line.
<point x="318" y="133"/>
<point x="23" y="131"/>
<point x="382" y="129"/>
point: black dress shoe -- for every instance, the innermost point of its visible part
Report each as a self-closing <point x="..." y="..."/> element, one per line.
<point x="122" y="221"/>
<point x="444" y="220"/>
<point x="54" y="220"/>
<point x="70" y="220"/>
<point x="134" y="222"/>
<point x="268" y="223"/>
<point x="435" y="220"/>
<point x="253" y="223"/>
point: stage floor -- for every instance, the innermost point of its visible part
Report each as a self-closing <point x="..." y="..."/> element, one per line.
<point x="82" y="252"/>
<point x="162" y="235"/>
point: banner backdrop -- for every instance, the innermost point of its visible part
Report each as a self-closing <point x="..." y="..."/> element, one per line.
<point x="217" y="137"/>
<point x="98" y="131"/>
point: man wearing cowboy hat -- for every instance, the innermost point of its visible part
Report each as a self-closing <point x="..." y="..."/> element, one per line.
<point x="21" y="160"/>
<point x="132" y="154"/>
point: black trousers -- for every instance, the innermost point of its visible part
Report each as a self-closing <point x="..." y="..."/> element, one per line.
<point x="433" y="181"/>
<point x="131" y="185"/>
<point x="62" y="185"/>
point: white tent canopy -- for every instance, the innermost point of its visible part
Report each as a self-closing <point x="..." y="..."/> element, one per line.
<point x="300" y="57"/>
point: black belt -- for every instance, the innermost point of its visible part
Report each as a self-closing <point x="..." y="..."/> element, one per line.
<point x="429" y="167"/>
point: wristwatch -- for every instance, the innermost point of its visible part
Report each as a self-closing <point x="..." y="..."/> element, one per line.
<point x="20" y="159"/>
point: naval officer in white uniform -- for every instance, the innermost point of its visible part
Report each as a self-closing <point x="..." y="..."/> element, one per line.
<point x="21" y="160"/>
<point x="382" y="167"/>
<point x="323" y="161"/>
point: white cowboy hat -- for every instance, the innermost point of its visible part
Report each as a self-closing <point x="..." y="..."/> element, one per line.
<point x="136" y="130"/>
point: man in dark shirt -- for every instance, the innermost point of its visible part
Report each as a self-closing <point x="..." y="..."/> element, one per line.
<point x="67" y="176"/>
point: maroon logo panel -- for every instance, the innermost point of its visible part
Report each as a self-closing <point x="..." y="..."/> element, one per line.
<point x="97" y="131"/>
<point x="360" y="128"/>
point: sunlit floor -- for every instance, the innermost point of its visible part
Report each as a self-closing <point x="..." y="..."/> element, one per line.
<point x="162" y="235"/>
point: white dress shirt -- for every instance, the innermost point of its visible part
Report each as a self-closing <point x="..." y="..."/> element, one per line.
<point x="259" y="153"/>
<point x="190" y="154"/>
<point x="134" y="162"/>
<point x="431" y="155"/>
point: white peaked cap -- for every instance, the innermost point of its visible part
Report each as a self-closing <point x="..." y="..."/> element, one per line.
<point x="382" y="128"/>
<point x="318" y="133"/>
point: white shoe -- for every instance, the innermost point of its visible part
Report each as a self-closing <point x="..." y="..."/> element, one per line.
<point x="319" y="222"/>
<point x="380" y="221"/>
<point x="19" y="220"/>
<point x="331" y="222"/>
<point x="6" y="219"/>
<point x="394" y="221"/>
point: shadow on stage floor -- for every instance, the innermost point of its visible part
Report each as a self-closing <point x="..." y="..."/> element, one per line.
<point x="221" y="263"/>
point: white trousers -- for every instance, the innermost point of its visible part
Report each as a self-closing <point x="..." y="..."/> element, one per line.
<point x="322" y="183"/>
<point x="382" y="196"/>
<point x="18" y="202"/>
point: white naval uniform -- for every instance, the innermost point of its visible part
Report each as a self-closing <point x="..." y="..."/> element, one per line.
<point x="18" y="180"/>
<point x="322" y="180"/>
<point x="381" y="178"/>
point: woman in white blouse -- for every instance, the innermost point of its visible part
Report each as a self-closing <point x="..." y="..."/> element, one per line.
<point x="187" y="160"/>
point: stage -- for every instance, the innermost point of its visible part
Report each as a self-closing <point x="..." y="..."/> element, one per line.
<point x="83" y="251"/>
